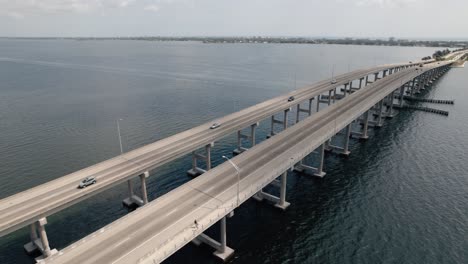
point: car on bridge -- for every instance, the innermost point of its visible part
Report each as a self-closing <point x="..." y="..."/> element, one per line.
<point x="86" y="182"/>
<point x="215" y="125"/>
<point x="291" y="98"/>
<point x="333" y="81"/>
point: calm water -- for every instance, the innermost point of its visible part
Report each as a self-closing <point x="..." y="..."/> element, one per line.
<point x="401" y="197"/>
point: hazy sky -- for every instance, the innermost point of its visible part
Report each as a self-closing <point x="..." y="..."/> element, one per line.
<point x="341" y="18"/>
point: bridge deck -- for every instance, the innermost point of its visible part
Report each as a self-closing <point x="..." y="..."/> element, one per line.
<point x="157" y="230"/>
<point x="28" y="206"/>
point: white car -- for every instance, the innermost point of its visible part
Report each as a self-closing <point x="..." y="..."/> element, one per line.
<point x="215" y="125"/>
<point x="86" y="182"/>
<point x="333" y="81"/>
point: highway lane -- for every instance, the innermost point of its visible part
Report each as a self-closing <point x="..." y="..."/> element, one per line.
<point x="122" y="240"/>
<point x="22" y="209"/>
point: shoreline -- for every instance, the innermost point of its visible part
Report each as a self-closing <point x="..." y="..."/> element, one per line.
<point x="272" y="40"/>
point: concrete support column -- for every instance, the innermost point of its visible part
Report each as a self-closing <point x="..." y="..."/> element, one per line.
<point x="130" y="188"/>
<point x="308" y="110"/>
<point x="144" y="193"/>
<point x="390" y="72"/>
<point x="285" y="119"/>
<point x="346" y="151"/>
<point x="367" y="80"/>
<point x="413" y="84"/>
<point x="310" y="106"/>
<point x="402" y="94"/>
<point x="33" y="232"/>
<point x="223" y="239"/>
<point x="208" y="156"/>
<point x="345" y="89"/>
<point x="384" y="73"/>
<point x="195" y="171"/>
<point x="365" y="126"/>
<point x="253" y="129"/>
<point x="43" y="235"/>
<point x="319" y="172"/>
<point x="376" y="76"/>
<point x="282" y="204"/>
<point x="298" y="111"/>
<point x="272" y="125"/>
<point x="379" y="118"/>
<point x="390" y="101"/>
<point x="329" y="97"/>
<point x="360" y="82"/>
<point x="39" y="242"/>
<point x="133" y="200"/>
<point x="239" y="139"/>
<point x="334" y="95"/>
<point x="318" y="103"/>
<point x="222" y="250"/>
<point x="283" y="122"/>
<point x="283" y="188"/>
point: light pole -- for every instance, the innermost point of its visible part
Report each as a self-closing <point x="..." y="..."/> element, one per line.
<point x="238" y="176"/>
<point x="120" y="138"/>
<point x="129" y="182"/>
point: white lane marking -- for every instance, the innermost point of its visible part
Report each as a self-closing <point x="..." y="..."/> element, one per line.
<point x="172" y="211"/>
<point x="121" y="242"/>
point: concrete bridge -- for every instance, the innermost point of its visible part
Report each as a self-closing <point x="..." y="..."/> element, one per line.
<point x="195" y="206"/>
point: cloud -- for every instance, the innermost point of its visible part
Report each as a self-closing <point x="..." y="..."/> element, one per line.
<point x="20" y="8"/>
<point x="153" y="8"/>
<point x="385" y="3"/>
<point x="15" y="15"/>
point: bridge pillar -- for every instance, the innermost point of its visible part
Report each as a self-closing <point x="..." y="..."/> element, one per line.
<point x="222" y="252"/>
<point x="365" y="128"/>
<point x="282" y="204"/>
<point x="319" y="172"/>
<point x="380" y="113"/>
<point x="42" y="233"/>
<point x="130" y="188"/>
<point x="376" y="76"/>
<point x="390" y="102"/>
<point x="390" y="71"/>
<point x="144" y="192"/>
<point x="241" y="136"/>
<point x="367" y="80"/>
<point x="384" y="73"/>
<point x="134" y="200"/>
<point x="345" y="89"/>
<point x="300" y="167"/>
<point x="360" y="82"/>
<point x="299" y="110"/>
<point x="39" y="242"/>
<point x="279" y="202"/>
<point x="413" y="83"/>
<point x="341" y="150"/>
<point x="329" y="103"/>
<point x="274" y="121"/>
<point x="346" y="151"/>
<point x="402" y="95"/>
<point x="195" y="171"/>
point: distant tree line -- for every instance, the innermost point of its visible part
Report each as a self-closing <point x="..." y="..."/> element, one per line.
<point x="292" y="40"/>
<point x="438" y="55"/>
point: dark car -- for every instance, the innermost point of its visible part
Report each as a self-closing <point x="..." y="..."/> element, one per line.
<point x="291" y="98"/>
<point x="86" y="182"/>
